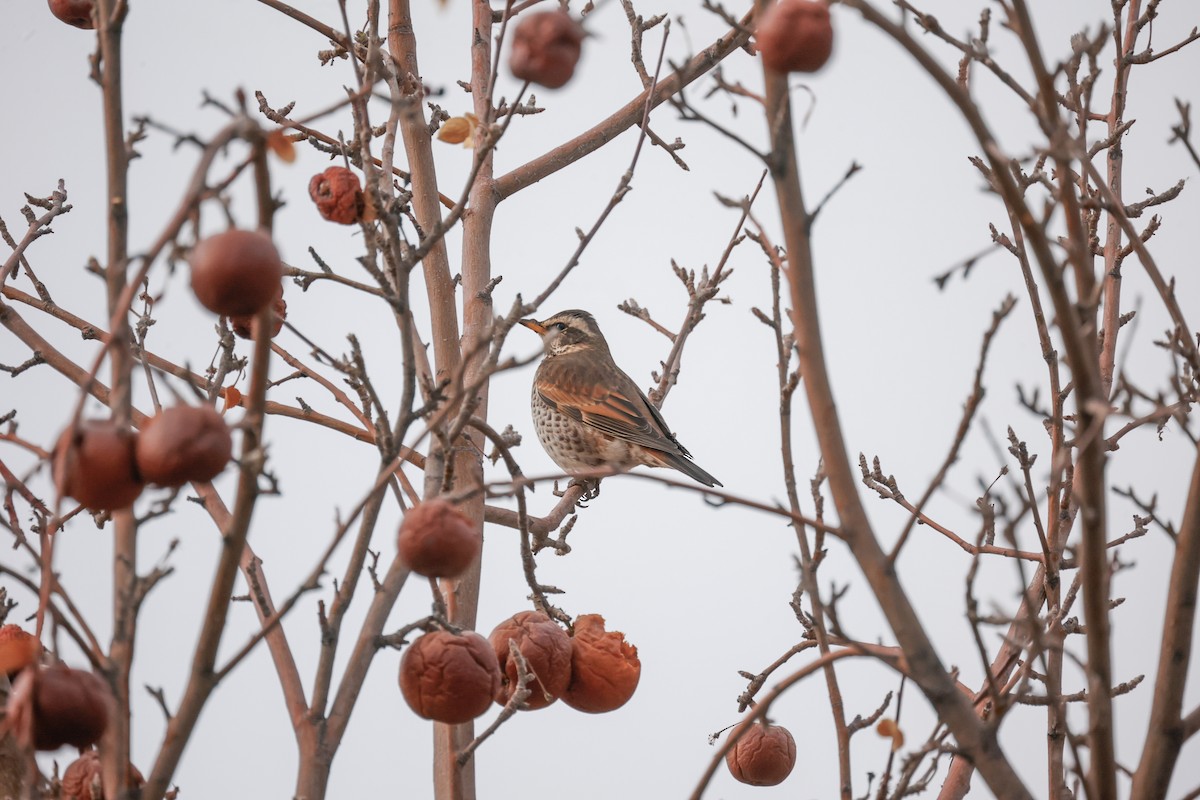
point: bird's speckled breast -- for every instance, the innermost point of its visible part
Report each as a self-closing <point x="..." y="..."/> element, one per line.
<point x="574" y="446"/>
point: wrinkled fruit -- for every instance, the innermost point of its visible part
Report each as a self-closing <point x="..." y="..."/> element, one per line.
<point x="764" y="756"/>
<point x="547" y="649"/>
<point x="96" y="465"/>
<point x="74" y="12"/>
<point x="604" y="667"/>
<point x="449" y="678"/>
<point x="68" y="706"/>
<point x="437" y="541"/>
<point x="338" y="195"/>
<point x="236" y="273"/>
<point x="181" y="444"/>
<point x="243" y="325"/>
<point x="795" y="36"/>
<point x="84" y="773"/>
<point x="18" y="649"/>
<point x="546" y="47"/>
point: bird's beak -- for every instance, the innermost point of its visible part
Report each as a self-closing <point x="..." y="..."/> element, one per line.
<point x="534" y="326"/>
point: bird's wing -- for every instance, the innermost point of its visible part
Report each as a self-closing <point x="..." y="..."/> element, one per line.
<point x="621" y="410"/>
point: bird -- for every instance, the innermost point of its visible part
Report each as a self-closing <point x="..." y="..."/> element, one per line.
<point x="588" y="413"/>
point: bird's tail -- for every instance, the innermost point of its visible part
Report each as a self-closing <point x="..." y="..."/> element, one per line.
<point x="689" y="468"/>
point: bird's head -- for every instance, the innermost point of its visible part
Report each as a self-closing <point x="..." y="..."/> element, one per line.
<point x="567" y="331"/>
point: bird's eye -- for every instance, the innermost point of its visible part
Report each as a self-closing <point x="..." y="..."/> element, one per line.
<point x="558" y="326"/>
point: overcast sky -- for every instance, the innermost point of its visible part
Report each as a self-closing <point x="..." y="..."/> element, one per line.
<point x="702" y="592"/>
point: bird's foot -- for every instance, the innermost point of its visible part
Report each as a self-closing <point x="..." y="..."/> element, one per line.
<point x="591" y="489"/>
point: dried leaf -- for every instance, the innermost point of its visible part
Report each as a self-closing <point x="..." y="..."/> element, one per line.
<point x="17" y="649"/>
<point x="889" y="728"/>
<point x="232" y="395"/>
<point x="459" y="130"/>
<point x="279" y="144"/>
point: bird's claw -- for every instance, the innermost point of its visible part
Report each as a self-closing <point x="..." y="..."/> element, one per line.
<point x="591" y="489"/>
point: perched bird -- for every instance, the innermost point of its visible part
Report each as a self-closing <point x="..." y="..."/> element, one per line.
<point x="588" y="413"/>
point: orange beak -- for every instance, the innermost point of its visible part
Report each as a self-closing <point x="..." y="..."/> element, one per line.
<point x="534" y="326"/>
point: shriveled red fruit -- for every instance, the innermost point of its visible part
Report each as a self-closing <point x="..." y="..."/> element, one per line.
<point x="74" y="12"/>
<point x="236" y="273"/>
<point x="243" y="325"/>
<point x="437" y="541"/>
<point x="338" y="195"/>
<point x="58" y="705"/>
<point x="795" y="36"/>
<point x="547" y="649"/>
<point x="83" y="774"/>
<point x="604" y="667"/>
<point x="18" y="649"/>
<point x="764" y="756"/>
<point x="449" y="678"/>
<point x="183" y="443"/>
<point x="95" y="462"/>
<point x="545" y="48"/>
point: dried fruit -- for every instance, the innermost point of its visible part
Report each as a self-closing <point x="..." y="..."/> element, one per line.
<point x="546" y="648"/>
<point x="236" y="273"/>
<point x="795" y="36"/>
<point x="74" y="12"/>
<point x="546" y="48"/>
<point x="181" y="444"/>
<point x="764" y="756"/>
<point x="243" y="325"/>
<point x="58" y="705"/>
<point x="95" y="463"/>
<point x="449" y="678"/>
<point x="338" y="195"/>
<point x="437" y="541"/>
<point x="81" y="780"/>
<point x="18" y="649"/>
<point x="604" y="667"/>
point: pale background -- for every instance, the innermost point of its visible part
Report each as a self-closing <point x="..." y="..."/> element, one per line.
<point x="703" y="593"/>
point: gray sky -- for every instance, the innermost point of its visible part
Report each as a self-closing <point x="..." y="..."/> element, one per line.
<point x="702" y="592"/>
